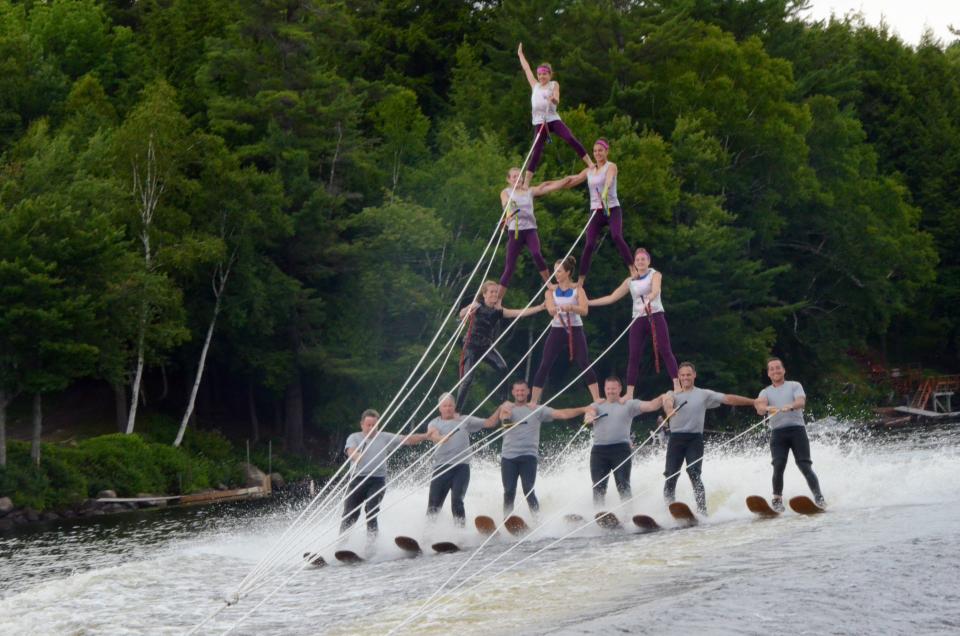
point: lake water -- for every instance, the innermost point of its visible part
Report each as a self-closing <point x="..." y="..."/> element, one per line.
<point x="883" y="560"/>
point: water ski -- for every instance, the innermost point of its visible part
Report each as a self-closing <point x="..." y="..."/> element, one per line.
<point x="408" y="545"/>
<point x="805" y="506"/>
<point x="445" y="547"/>
<point x="645" y="523"/>
<point x="682" y="513"/>
<point x="573" y="518"/>
<point x="607" y="520"/>
<point x="348" y="556"/>
<point x="485" y="525"/>
<point x="315" y="560"/>
<point x="516" y="525"/>
<point x="760" y="506"/>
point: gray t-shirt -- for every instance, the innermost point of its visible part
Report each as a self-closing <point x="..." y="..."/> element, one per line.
<point x="696" y="401"/>
<point x="455" y="450"/>
<point x="374" y="451"/>
<point x="615" y="427"/>
<point x="524" y="437"/>
<point x="784" y="395"/>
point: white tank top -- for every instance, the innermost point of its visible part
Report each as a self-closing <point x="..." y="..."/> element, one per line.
<point x="521" y="205"/>
<point x="543" y="109"/>
<point x="595" y="181"/>
<point x="640" y="287"/>
<point x="566" y="298"/>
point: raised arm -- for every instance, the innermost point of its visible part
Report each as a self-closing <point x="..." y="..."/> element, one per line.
<point x="667" y="401"/>
<point x="523" y="313"/>
<point x="551" y="186"/>
<point x="737" y="400"/>
<point x="415" y="438"/>
<point x="494" y="418"/>
<point x="613" y="297"/>
<point x="555" y="93"/>
<point x="576" y="179"/>
<point x="526" y="67"/>
<point x="566" y="414"/>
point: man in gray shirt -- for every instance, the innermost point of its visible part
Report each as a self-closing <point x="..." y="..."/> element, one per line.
<point x="369" y="450"/>
<point x="521" y="443"/>
<point x="611" y="439"/>
<point x="786" y="399"/>
<point x="451" y="461"/>
<point x="686" y="431"/>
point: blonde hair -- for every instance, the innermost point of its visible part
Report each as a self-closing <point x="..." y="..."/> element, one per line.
<point x="483" y="289"/>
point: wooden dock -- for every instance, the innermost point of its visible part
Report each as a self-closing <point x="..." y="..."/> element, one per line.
<point x="205" y="497"/>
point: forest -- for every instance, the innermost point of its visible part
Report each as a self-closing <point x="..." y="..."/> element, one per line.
<point x="251" y="216"/>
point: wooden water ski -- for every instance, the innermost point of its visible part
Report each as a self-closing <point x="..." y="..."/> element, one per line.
<point x="805" y="506"/>
<point x="445" y="547"/>
<point x="516" y="525"/>
<point x="408" y="545"/>
<point x="314" y="559"/>
<point x="348" y="556"/>
<point x="485" y="525"/>
<point x="760" y="506"/>
<point x="607" y="520"/>
<point x="682" y="513"/>
<point x="645" y="523"/>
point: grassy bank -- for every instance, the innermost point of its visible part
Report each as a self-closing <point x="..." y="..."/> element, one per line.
<point x="131" y="464"/>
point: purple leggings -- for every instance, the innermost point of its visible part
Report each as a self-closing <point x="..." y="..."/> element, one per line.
<point x="599" y="220"/>
<point x="515" y="246"/>
<point x="559" y="129"/>
<point x="557" y="343"/>
<point x="640" y="336"/>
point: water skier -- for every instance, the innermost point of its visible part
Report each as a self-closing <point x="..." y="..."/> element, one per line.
<point x="521" y="224"/>
<point x="485" y="316"/>
<point x="567" y="303"/>
<point x="521" y="443"/>
<point x="686" y="431"/>
<point x="611" y="439"/>
<point x="451" y="462"/>
<point x="788" y="431"/>
<point x="650" y="321"/>
<point x="605" y="209"/>
<point x="368" y="449"/>
<point x="544" y="99"/>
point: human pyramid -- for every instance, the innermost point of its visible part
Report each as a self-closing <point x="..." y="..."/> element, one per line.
<point x="611" y="414"/>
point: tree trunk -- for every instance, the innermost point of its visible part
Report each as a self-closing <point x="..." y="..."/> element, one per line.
<point x="37" y="428"/>
<point x="199" y="376"/>
<point x="294" y="409"/>
<point x="120" y="404"/>
<point x="252" y="408"/>
<point x="278" y="427"/>
<point x="138" y="376"/>
<point x="3" y="427"/>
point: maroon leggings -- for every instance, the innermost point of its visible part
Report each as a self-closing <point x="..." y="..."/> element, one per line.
<point x="515" y="246"/>
<point x="559" y="129"/>
<point x="558" y="342"/>
<point x="640" y="336"/>
<point x="599" y="220"/>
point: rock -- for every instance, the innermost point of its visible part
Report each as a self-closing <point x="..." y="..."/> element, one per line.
<point x="6" y="505"/>
<point x="68" y="514"/>
<point x="18" y="519"/>
<point x="253" y="476"/>
<point x="107" y="494"/>
<point x="88" y="504"/>
<point x="277" y="481"/>
<point x="221" y="487"/>
<point x="114" y="507"/>
<point x="32" y="515"/>
<point x="5" y="524"/>
<point x="50" y="516"/>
